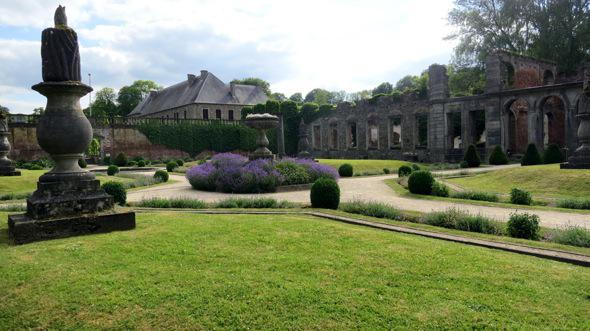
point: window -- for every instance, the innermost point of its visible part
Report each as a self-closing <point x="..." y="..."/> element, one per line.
<point x="352" y="135"/>
<point x="395" y="133"/>
<point x="230" y="115"/>
<point x="422" y="130"/>
<point x="334" y="136"/>
<point x="176" y="118"/>
<point x="185" y="114"/>
<point x="373" y="134"/>
<point x="205" y="114"/>
<point x="218" y="114"/>
<point x="317" y="138"/>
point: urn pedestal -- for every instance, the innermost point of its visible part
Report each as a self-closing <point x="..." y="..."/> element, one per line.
<point x="6" y="165"/>
<point x="262" y="123"/>
<point x="69" y="200"/>
<point x="580" y="159"/>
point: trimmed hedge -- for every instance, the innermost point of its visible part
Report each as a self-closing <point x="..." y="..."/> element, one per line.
<point x="161" y="175"/>
<point x="117" y="190"/>
<point x="552" y="154"/>
<point x="404" y="171"/>
<point x="472" y="157"/>
<point x="120" y="160"/>
<point x="112" y="170"/>
<point x="82" y="163"/>
<point x="420" y="182"/>
<point x="440" y="190"/>
<point x="525" y="226"/>
<point x="498" y="157"/>
<point x="532" y="156"/>
<point x="170" y="166"/>
<point x="345" y="170"/>
<point x="520" y="197"/>
<point x="325" y="193"/>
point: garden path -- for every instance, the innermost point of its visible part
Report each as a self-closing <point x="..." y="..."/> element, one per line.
<point x="368" y="189"/>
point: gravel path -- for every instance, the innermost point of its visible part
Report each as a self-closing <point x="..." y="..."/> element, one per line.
<point x="367" y="189"/>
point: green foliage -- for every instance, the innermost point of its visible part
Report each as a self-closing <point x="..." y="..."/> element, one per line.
<point x="293" y="173"/>
<point x="296" y="97"/>
<point x="170" y="166"/>
<point x="477" y="196"/>
<point x="420" y="182"/>
<point x="459" y="220"/>
<point x="264" y="85"/>
<point x="309" y="112"/>
<point x="372" y="209"/>
<point x="319" y="96"/>
<point x="82" y="163"/>
<point x="130" y="96"/>
<point x="112" y="170"/>
<point x="345" y="170"/>
<point x="386" y="171"/>
<point x="4" y="111"/>
<point x="325" y="193"/>
<point x="246" y="111"/>
<point x="472" y="157"/>
<point x="105" y="103"/>
<point x="573" y="236"/>
<point x="273" y="107"/>
<point x="161" y="175"/>
<point x="117" y="190"/>
<point x="404" y="171"/>
<point x="520" y="197"/>
<point x="94" y="148"/>
<point x="254" y="203"/>
<point x="531" y="156"/>
<point x="180" y="162"/>
<point x="106" y="160"/>
<point x="580" y="203"/>
<point x="131" y="164"/>
<point x="497" y="157"/>
<point x="176" y="203"/>
<point x="120" y="160"/>
<point x="466" y="81"/>
<point x="415" y="167"/>
<point x="524" y="226"/>
<point x="383" y="88"/>
<point x="552" y="154"/>
<point x="141" y="163"/>
<point x="440" y="190"/>
<point x="463" y="164"/>
<point x="259" y="108"/>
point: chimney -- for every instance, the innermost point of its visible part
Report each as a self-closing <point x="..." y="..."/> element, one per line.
<point x="232" y="88"/>
<point x="191" y="78"/>
<point x="204" y="73"/>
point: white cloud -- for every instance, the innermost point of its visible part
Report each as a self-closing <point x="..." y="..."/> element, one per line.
<point x="296" y="45"/>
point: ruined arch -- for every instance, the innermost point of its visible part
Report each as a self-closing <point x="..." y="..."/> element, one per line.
<point x="516" y="128"/>
<point x="351" y="132"/>
<point x="373" y="132"/>
<point x="552" y="111"/>
<point x="333" y="133"/>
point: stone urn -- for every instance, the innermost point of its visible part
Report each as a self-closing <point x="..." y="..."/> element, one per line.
<point x="261" y="123"/>
<point x="6" y="165"/>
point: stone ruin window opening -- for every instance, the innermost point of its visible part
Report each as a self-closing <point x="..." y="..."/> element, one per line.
<point x="351" y="135"/>
<point x="218" y="114"/>
<point x="334" y="136"/>
<point x="372" y="134"/>
<point x="508" y="74"/>
<point x="518" y="129"/>
<point x="185" y="114"/>
<point x="422" y="130"/>
<point x="455" y="139"/>
<point x="477" y="125"/>
<point x="395" y="132"/>
<point x="548" y="78"/>
<point x="317" y="137"/>
<point x="553" y="110"/>
<point x="230" y="115"/>
<point x="205" y="114"/>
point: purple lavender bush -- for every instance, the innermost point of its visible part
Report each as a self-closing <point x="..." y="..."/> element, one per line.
<point x="233" y="173"/>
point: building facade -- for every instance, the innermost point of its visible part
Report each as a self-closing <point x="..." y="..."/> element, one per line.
<point x="525" y="101"/>
<point x="200" y="97"/>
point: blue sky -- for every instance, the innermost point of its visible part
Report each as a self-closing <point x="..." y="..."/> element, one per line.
<point x="295" y="45"/>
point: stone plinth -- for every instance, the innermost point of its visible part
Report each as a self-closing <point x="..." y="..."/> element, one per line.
<point x="23" y="229"/>
<point x="580" y="159"/>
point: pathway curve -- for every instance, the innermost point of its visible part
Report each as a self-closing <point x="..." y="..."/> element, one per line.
<point x="367" y="189"/>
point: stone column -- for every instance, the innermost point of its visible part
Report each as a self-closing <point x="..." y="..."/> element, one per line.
<point x="6" y="165"/>
<point x="581" y="157"/>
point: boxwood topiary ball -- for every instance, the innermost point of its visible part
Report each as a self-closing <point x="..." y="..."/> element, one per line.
<point x="345" y="170"/>
<point x="325" y="193"/>
<point x="161" y="175"/>
<point x="420" y="182"/>
<point x="117" y="190"/>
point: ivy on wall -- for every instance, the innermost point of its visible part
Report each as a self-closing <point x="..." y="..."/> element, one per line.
<point x="194" y="138"/>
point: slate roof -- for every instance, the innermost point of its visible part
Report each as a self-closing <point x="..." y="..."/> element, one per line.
<point x="203" y="89"/>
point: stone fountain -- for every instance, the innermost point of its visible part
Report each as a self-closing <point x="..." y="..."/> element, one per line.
<point x="581" y="157"/>
<point x="262" y="123"/>
<point x="69" y="200"/>
<point x="6" y="165"/>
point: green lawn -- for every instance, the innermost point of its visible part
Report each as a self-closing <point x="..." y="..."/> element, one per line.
<point x="367" y="166"/>
<point x="187" y="271"/>
<point x="542" y="181"/>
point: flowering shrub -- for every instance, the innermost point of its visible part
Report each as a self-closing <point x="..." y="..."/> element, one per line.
<point x="233" y="173"/>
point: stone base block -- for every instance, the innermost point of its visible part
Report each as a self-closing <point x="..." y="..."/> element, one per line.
<point x="23" y="229"/>
<point x="569" y="165"/>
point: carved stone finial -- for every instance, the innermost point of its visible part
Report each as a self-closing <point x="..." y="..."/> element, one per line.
<point x="60" y="18"/>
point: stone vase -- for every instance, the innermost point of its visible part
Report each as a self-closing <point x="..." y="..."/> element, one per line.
<point x="262" y="125"/>
<point x="6" y="165"/>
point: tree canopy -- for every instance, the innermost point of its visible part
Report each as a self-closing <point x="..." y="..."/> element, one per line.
<point x="383" y="88"/>
<point x="297" y="97"/>
<point x="255" y="82"/>
<point x="130" y="96"/>
<point x="105" y="103"/>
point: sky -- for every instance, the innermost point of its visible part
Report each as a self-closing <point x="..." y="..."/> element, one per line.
<point x="299" y="45"/>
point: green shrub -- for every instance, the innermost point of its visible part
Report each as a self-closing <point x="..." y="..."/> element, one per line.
<point x="162" y="176"/>
<point x="255" y="203"/>
<point x="131" y="164"/>
<point x="171" y="165"/>
<point x="477" y="196"/>
<point x="463" y="164"/>
<point x="520" y="197"/>
<point x="14" y="196"/>
<point x="573" y="236"/>
<point x="112" y="170"/>
<point x="415" y="167"/>
<point x="179" y="203"/>
<point x="581" y="203"/>
<point x="404" y="171"/>
<point x="180" y="162"/>
<point x="120" y="160"/>
<point x="459" y="220"/>
<point x="325" y="193"/>
<point x="141" y="163"/>
<point x="345" y="170"/>
<point x="373" y="209"/>
<point x="498" y="157"/>
<point x="531" y="156"/>
<point x="524" y="226"/>
<point x="35" y="167"/>
<point x="82" y="163"/>
<point x="117" y="190"/>
<point x="552" y="154"/>
<point x="293" y="173"/>
<point x="472" y="157"/>
<point x="386" y="171"/>
<point x="440" y="189"/>
<point x="420" y="182"/>
<point x="106" y="160"/>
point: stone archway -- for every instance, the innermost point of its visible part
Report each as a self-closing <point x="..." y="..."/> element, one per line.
<point x="516" y="128"/>
<point x="553" y="112"/>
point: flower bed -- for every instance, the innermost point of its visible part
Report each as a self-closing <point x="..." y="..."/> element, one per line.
<point x="233" y="173"/>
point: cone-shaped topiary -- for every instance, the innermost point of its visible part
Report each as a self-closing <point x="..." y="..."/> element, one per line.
<point x="325" y="193"/>
<point x="497" y="157"/>
<point x="345" y="170"/>
<point x="532" y="156"/>
<point x="552" y="154"/>
<point x="472" y="157"/>
<point x="420" y="182"/>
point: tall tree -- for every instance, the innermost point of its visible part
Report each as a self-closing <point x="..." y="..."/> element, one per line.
<point x="297" y="97"/>
<point x="105" y="103"/>
<point x="39" y="111"/>
<point x="383" y="88"/>
<point x="278" y="96"/>
<point x="319" y="96"/>
<point x="130" y="96"/>
<point x="255" y="82"/>
<point x="4" y="110"/>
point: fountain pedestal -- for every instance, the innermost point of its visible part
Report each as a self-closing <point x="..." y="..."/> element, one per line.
<point x="262" y="123"/>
